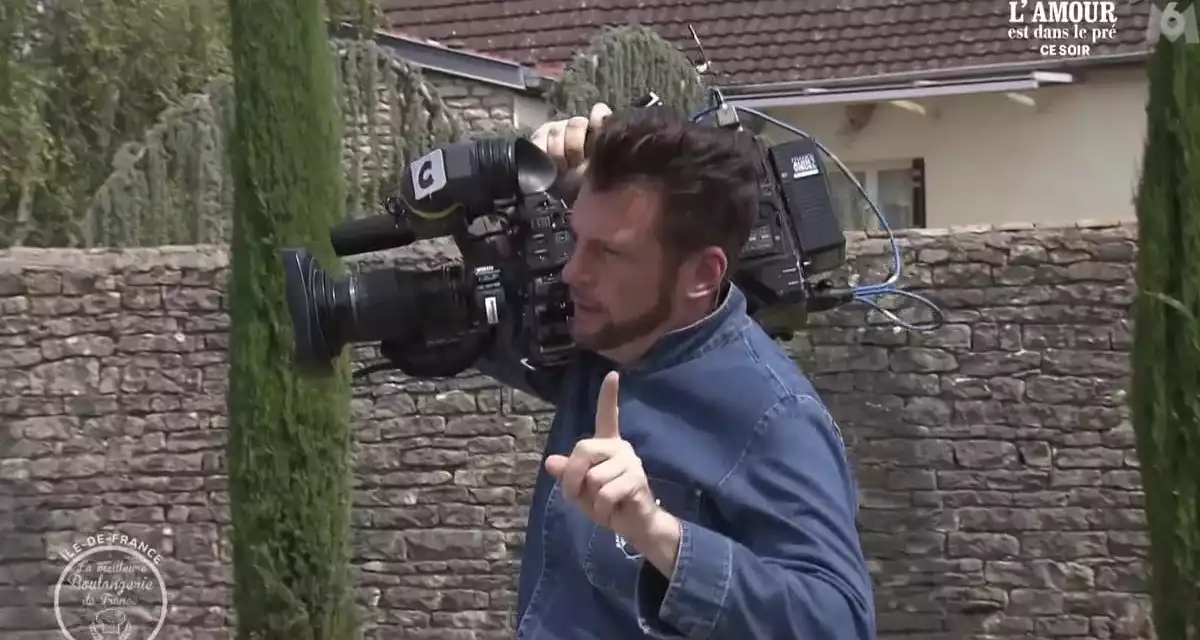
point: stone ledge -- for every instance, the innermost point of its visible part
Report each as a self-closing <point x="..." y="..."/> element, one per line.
<point x="14" y="260"/>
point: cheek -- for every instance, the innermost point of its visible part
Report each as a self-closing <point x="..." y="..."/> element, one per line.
<point x="631" y="286"/>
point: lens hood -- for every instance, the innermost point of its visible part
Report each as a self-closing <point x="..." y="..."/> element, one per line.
<point x="305" y="285"/>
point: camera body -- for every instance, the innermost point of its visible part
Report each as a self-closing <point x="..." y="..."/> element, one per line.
<point x="494" y="198"/>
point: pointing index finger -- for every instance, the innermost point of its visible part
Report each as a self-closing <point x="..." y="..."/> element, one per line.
<point x="607" y="413"/>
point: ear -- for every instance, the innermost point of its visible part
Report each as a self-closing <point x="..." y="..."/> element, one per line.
<point x="707" y="269"/>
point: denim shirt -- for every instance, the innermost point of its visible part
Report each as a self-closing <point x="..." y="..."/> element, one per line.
<point x="736" y="445"/>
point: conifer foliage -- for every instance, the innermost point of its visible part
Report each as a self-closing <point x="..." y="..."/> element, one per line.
<point x="290" y="460"/>
<point x="1165" y="394"/>
<point x="622" y="64"/>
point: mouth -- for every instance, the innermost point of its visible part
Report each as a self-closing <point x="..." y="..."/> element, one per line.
<point x="585" y="307"/>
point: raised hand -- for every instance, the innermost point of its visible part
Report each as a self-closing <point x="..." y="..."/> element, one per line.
<point x="603" y="475"/>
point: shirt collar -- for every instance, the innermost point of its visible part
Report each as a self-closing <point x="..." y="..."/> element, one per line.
<point x="687" y="343"/>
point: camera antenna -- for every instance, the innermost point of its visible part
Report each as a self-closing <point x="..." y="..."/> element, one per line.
<point x="704" y="67"/>
<point x="727" y="117"/>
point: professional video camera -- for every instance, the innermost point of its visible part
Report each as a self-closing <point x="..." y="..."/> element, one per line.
<point x="493" y="197"/>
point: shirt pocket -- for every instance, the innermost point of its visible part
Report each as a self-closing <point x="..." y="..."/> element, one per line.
<point x="611" y="563"/>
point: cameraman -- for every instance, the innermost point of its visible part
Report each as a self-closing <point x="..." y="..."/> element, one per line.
<point x="694" y="485"/>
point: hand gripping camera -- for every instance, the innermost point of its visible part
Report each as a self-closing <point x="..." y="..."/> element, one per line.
<point x="493" y="197"/>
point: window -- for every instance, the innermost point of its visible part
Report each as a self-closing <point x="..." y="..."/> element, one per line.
<point x="897" y="188"/>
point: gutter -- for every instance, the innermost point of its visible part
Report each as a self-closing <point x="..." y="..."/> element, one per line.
<point x="899" y="91"/>
<point x="453" y="62"/>
<point x="978" y="72"/>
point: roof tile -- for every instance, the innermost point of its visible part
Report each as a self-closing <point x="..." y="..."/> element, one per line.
<point x="754" y="41"/>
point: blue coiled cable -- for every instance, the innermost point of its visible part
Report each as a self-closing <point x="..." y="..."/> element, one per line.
<point x="864" y="294"/>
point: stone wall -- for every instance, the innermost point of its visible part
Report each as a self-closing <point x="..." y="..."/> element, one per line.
<point x="370" y="140"/>
<point x="481" y="106"/>
<point x="998" y="477"/>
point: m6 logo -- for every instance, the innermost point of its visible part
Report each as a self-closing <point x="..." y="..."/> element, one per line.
<point x="1172" y="23"/>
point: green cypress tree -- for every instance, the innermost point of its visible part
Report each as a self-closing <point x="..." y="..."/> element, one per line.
<point x="1165" y="392"/>
<point x="622" y="64"/>
<point x="290" y="457"/>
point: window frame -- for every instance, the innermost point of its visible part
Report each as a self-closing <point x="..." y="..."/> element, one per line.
<point x="870" y="181"/>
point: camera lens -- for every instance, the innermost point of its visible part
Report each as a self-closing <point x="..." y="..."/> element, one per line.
<point x="384" y="304"/>
<point x="317" y="305"/>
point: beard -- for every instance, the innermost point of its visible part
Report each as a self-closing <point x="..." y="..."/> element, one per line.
<point x="612" y="335"/>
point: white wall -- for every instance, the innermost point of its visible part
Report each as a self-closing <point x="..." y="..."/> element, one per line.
<point x="989" y="159"/>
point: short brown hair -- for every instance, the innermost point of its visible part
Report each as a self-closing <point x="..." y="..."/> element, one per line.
<point x="707" y="178"/>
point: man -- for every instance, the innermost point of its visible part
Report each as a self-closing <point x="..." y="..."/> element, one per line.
<point x="694" y="486"/>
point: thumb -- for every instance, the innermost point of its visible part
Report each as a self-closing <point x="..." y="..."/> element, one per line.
<point x="556" y="464"/>
<point x="596" y="116"/>
<point x="607" y="411"/>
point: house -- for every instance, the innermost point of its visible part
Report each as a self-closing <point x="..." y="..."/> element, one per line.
<point x="949" y="113"/>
